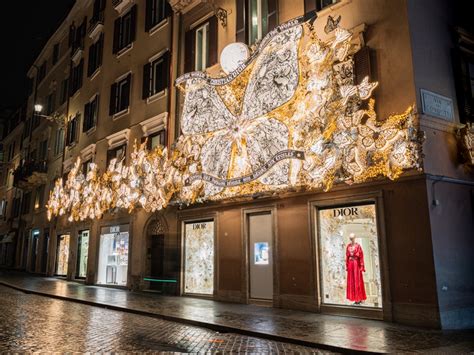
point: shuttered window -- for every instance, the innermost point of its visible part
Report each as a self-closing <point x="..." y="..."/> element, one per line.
<point x="76" y="77"/>
<point x="72" y="128"/>
<point x="156" y="12"/>
<point x="362" y="65"/>
<point x="254" y="19"/>
<point x="116" y="153"/>
<point x="95" y="56"/>
<point x="91" y="111"/>
<point x="120" y="95"/>
<point x="55" y="57"/>
<point x="156" y="75"/>
<point x="201" y="46"/>
<point x="64" y="91"/>
<point x="125" y="30"/>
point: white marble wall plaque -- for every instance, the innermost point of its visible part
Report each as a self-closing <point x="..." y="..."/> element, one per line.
<point x="437" y="105"/>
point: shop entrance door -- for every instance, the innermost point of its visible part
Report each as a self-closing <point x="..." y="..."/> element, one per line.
<point x="82" y="254"/>
<point x="62" y="255"/>
<point x="44" y="256"/>
<point x="34" y="248"/>
<point x="260" y="232"/>
<point x="157" y="254"/>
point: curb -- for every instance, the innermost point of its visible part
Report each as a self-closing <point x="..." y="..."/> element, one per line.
<point x="211" y="326"/>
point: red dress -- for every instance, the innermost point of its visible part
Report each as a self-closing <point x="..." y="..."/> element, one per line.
<point x="355" y="266"/>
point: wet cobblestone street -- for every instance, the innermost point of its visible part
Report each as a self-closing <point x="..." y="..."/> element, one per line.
<point x="31" y="323"/>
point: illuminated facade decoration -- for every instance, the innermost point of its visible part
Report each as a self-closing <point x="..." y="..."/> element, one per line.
<point x="289" y="117"/>
<point x="467" y="143"/>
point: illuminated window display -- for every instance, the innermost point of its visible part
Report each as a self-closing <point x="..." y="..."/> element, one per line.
<point x="82" y="254"/>
<point x="199" y="257"/>
<point x="349" y="256"/>
<point x="113" y="256"/>
<point x="62" y="256"/>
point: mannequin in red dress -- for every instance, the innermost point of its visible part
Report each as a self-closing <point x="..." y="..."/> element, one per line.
<point x="355" y="267"/>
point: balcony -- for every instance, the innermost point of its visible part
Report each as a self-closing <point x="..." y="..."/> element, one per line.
<point x="77" y="49"/>
<point x="30" y="174"/>
<point x="96" y="25"/>
<point x="121" y="5"/>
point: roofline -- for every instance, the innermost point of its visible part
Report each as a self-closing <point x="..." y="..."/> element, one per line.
<point x="59" y="33"/>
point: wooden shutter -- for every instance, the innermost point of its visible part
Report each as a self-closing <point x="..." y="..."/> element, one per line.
<point x="148" y="10"/>
<point x="272" y="16"/>
<point x="165" y="71"/>
<point x="146" y="81"/>
<point x="241" y="27"/>
<point x="80" y="73"/>
<point x="100" y="49"/>
<point x="212" y="59"/>
<point x="189" y="51"/>
<point x="87" y="114"/>
<point x="72" y="32"/>
<point x="133" y="23"/>
<point x="168" y="10"/>
<point x="91" y="61"/>
<point x="113" y="99"/>
<point x="127" y="92"/>
<point x="84" y="27"/>
<point x="362" y="65"/>
<point x="117" y="25"/>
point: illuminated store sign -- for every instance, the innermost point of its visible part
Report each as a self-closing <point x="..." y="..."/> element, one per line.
<point x="289" y="116"/>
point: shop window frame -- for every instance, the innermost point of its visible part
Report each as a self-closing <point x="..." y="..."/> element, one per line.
<point x="328" y="201"/>
<point x="185" y="219"/>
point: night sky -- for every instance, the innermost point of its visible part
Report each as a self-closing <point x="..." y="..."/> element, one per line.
<point x="25" y="27"/>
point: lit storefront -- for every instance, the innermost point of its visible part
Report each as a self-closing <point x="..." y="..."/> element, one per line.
<point x="113" y="255"/>
<point x="199" y="257"/>
<point x="82" y="254"/>
<point x="62" y="254"/>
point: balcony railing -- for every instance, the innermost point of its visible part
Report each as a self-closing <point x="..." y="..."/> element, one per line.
<point x="30" y="174"/>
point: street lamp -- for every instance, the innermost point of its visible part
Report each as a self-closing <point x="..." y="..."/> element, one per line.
<point x="38" y="108"/>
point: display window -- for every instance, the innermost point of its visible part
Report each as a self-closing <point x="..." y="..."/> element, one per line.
<point x="199" y="257"/>
<point x="113" y="256"/>
<point x="62" y="257"/>
<point x="349" y="256"/>
<point x="82" y="254"/>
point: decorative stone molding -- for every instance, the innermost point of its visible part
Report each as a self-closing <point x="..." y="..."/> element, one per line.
<point x="184" y="6"/>
<point x="76" y="57"/>
<point x="96" y="30"/>
<point x="67" y="165"/>
<point x="118" y="139"/>
<point x="88" y="152"/>
<point x="154" y="124"/>
<point x="122" y="5"/>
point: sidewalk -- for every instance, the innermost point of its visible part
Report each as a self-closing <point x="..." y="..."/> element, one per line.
<point x="326" y="332"/>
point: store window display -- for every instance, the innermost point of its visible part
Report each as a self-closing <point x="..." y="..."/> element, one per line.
<point x="62" y="257"/>
<point x="113" y="256"/>
<point x="199" y="258"/>
<point x="349" y="256"/>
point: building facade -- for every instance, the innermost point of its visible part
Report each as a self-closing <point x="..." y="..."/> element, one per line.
<point x="105" y="80"/>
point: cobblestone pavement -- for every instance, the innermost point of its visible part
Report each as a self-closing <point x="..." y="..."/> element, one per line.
<point x="31" y="323"/>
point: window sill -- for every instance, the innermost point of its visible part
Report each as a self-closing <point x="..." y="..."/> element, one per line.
<point x="157" y="96"/>
<point x="158" y="26"/>
<point x="91" y="130"/>
<point x="95" y="74"/>
<point x="76" y="94"/>
<point x="124" y="50"/>
<point x="121" y="113"/>
<point x="72" y="145"/>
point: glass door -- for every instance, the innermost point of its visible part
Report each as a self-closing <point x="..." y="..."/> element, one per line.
<point x="199" y="257"/>
<point x="82" y="254"/>
<point x="62" y="256"/>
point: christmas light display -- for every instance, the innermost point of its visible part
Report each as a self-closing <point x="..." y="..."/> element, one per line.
<point x="290" y="116"/>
